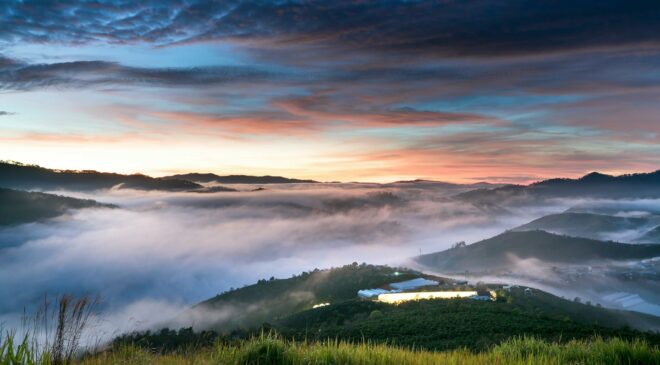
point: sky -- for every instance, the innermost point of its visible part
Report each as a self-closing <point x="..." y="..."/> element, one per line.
<point x="460" y="91"/>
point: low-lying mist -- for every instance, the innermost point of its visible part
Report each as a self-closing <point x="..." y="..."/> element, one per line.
<point x="158" y="253"/>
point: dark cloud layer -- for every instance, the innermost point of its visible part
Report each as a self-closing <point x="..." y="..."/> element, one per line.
<point x="426" y="88"/>
<point x="454" y="28"/>
<point x="16" y="75"/>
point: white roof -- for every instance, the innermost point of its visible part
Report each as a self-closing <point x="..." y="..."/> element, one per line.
<point x="370" y="293"/>
<point x="412" y="284"/>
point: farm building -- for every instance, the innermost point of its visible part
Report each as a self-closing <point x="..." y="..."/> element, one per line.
<point x="404" y="297"/>
<point x="484" y="295"/>
<point x="372" y="293"/>
<point x="397" y="287"/>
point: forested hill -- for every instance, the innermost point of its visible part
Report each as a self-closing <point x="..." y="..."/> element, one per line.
<point x="456" y="323"/>
<point x="502" y="251"/>
<point x="593" y="185"/>
<point x="273" y="298"/>
<point x="238" y="179"/>
<point x="31" y="177"/>
<point x="18" y="207"/>
<point x="287" y="307"/>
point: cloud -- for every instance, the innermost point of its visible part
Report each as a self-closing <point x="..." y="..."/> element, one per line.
<point x="159" y="253"/>
<point x="405" y="89"/>
<point x="169" y="251"/>
<point x="480" y="28"/>
<point x="16" y="75"/>
<point x="5" y="113"/>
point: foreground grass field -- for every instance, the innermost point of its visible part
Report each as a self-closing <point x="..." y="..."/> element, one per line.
<point x="266" y="350"/>
<point x="270" y="350"/>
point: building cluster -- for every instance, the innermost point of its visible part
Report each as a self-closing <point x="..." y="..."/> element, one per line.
<point x="409" y="290"/>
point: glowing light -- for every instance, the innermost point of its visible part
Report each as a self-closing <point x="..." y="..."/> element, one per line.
<point x="394" y="298"/>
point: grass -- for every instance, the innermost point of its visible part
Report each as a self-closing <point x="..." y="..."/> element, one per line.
<point x="270" y="350"/>
<point x="16" y="354"/>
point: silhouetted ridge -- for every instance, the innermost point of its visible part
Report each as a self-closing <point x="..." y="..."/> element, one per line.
<point x="593" y="185"/>
<point x="239" y="179"/>
<point x="18" y="207"/>
<point x="32" y="177"/>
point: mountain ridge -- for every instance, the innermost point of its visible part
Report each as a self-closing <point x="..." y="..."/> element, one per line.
<point x="592" y="185"/>
<point x="238" y="179"/>
<point x="33" y="177"/>
<point x="500" y="253"/>
<point x="18" y="207"/>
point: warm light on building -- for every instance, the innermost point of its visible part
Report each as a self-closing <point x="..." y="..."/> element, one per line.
<point x="405" y="297"/>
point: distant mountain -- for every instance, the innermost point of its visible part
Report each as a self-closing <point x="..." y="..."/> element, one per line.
<point x="593" y="185"/>
<point x="238" y="179"/>
<point x="31" y="177"/>
<point x="501" y="252"/>
<point x="18" y="207"/>
<point x="586" y="225"/>
<point x="441" y="184"/>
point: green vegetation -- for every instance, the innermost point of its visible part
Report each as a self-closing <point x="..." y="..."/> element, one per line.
<point x="272" y="350"/>
<point x="59" y="343"/>
<point x="268" y="300"/>
<point x="431" y="324"/>
<point x="498" y="253"/>
<point x="458" y="323"/>
<point x="18" y="207"/>
<point x="517" y="328"/>
<point x="167" y="340"/>
<point x="12" y="353"/>
<point x="285" y="305"/>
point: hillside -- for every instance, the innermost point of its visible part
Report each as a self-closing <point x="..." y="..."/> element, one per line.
<point x="237" y="179"/>
<point x="30" y="177"/>
<point x="457" y="323"/>
<point x="593" y="185"/>
<point x="270" y="299"/>
<point x="282" y="300"/>
<point x="586" y="225"/>
<point x="286" y="306"/>
<point x="500" y="253"/>
<point x="18" y="207"/>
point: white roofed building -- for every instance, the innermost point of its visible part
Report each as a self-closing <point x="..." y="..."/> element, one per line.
<point x="372" y="293"/>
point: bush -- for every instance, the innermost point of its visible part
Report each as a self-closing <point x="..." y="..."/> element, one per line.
<point x="266" y="350"/>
